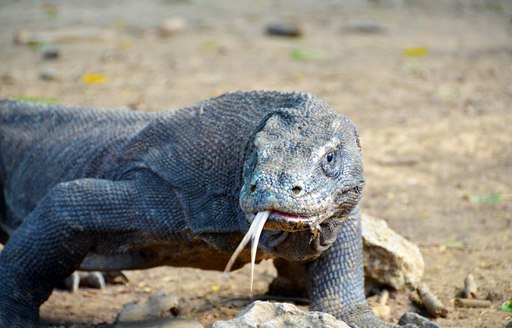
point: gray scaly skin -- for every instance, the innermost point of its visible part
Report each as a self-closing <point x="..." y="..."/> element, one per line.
<point x="114" y="190"/>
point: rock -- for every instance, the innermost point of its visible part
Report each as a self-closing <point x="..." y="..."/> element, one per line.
<point x="389" y="259"/>
<point x="364" y="28"/>
<point x="48" y="75"/>
<point x="284" y="29"/>
<point x="382" y="310"/>
<point x="169" y="322"/>
<point x="172" y="26"/>
<point x="50" y="53"/>
<point x="494" y="296"/>
<point x="418" y="320"/>
<point x="277" y="315"/>
<point x="157" y="305"/>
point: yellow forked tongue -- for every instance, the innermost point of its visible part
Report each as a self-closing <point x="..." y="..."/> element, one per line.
<point x="254" y="235"/>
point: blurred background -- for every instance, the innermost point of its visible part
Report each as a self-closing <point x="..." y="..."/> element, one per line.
<point x="429" y="85"/>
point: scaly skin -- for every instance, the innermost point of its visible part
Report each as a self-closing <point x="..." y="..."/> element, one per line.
<point x="113" y="190"/>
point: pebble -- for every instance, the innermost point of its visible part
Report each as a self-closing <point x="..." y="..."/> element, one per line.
<point x="284" y="29"/>
<point x="364" y="28"/>
<point x="172" y="26"/>
<point x="169" y="322"/>
<point x="495" y="296"/>
<point x="50" y="53"/>
<point x="48" y="75"/>
<point x="155" y="306"/>
<point x="418" y="320"/>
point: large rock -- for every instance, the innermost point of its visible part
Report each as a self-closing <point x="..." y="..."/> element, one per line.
<point x="389" y="259"/>
<point x="278" y="315"/>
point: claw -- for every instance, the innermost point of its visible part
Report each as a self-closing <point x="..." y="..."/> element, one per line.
<point x="92" y="279"/>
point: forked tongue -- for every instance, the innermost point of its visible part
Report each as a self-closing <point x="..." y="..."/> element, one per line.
<point x="253" y="234"/>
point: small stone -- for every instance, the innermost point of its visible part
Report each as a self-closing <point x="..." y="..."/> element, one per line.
<point x="48" y="75"/>
<point x="418" y="320"/>
<point x="168" y="322"/>
<point x="157" y="305"/>
<point x="172" y="26"/>
<point x="284" y="29"/>
<point x="278" y="315"/>
<point x="382" y="311"/>
<point x="364" y="28"/>
<point x="389" y="259"/>
<point x="494" y="296"/>
<point x="51" y="53"/>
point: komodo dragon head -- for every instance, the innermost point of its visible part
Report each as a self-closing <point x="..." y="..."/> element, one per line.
<point x="304" y="169"/>
<point x="303" y="175"/>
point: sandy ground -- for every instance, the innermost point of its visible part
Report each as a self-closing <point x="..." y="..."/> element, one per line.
<point x="431" y="93"/>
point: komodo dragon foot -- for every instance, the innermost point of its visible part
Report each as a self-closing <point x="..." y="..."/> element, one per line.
<point x="93" y="279"/>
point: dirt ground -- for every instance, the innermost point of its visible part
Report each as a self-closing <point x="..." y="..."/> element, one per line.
<point x="428" y="85"/>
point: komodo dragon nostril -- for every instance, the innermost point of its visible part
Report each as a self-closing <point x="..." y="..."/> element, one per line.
<point x="296" y="190"/>
<point x="253" y="187"/>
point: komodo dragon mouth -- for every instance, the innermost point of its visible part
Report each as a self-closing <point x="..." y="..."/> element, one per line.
<point x="254" y="232"/>
<point x="285" y="221"/>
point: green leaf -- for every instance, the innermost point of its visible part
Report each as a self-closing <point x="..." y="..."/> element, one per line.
<point x="43" y="100"/>
<point x="490" y="198"/>
<point x="507" y="307"/>
<point x="301" y="54"/>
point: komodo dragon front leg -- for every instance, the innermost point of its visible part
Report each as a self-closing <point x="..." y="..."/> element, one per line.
<point x="336" y="279"/>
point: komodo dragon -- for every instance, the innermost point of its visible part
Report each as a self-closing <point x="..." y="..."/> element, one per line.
<point x="115" y="190"/>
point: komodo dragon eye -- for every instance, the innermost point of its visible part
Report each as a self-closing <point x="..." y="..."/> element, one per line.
<point x="330" y="156"/>
<point x="329" y="163"/>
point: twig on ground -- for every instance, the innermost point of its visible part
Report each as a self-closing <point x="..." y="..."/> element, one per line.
<point x="472" y="303"/>
<point x="431" y="303"/>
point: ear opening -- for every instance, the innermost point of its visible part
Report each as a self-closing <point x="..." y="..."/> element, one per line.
<point x="340" y="120"/>
<point x="358" y="142"/>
